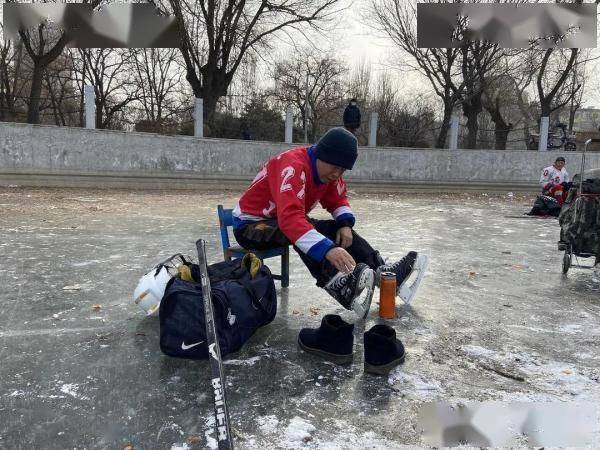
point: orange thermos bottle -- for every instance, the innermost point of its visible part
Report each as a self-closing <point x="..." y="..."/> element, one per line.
<point x="387" y="295"/>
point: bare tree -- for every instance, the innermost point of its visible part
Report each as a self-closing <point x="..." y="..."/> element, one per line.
<point x="359" y="84"/>
<point x="479" y="64"/>
<point x="520" y="73"/>
<point x="43" y="46"/>
<point x="499" y="97"/>
<point x="575" y="87"/>
<point x="107" y="70"/>
<point x="401" y="124"/>
<point x="62" y="92"/>
<point x="313" y="84"/>
<point x="397" y="20"/>
<point x="216" y="36"/>
<point x="11" y="79"/>
<point x="554" y="69"/>
<point x="158" y="75"/>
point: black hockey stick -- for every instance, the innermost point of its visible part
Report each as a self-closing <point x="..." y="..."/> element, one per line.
<point x="214" y="355"/>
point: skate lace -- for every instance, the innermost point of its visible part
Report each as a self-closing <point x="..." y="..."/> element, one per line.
<point x="341" y="282"/>
<point x="394" y="266"/>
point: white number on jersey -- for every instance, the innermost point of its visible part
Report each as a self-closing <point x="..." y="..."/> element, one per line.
<point x="286" y="173"/>
<point x="302" y="191"/>
<point x="267" y="211"/>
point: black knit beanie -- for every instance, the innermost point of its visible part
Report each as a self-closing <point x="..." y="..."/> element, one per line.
<point x="338" y="147"/>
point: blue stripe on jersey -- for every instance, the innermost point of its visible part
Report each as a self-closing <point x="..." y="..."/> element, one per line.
<point x="346" y="217"/>
<point x="318" y="251"/>
<point x="238" y="223"/>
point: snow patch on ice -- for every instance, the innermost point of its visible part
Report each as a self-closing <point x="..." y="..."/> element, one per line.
<point x="299" y="430"/>
<point x="211" y="442"/>
<point x="183" y="446"/>
<point x="267" y="424"/>
<point x="169" y="426"/>
<point x="71" y="389"/>
<point x="476" y="351"/>
<point x="243" y="362"/>
<point x="86" y="263"/>
<point x="350" y="437"/>
<point x="556" y="379"/>
<point x="414" y="385"/>
<point x="570" y="328"/>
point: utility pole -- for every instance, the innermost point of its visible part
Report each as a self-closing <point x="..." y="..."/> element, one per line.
<point x="306" y="109"/>
<point x="572" y="106"/>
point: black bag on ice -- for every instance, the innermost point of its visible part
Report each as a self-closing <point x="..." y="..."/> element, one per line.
<point x="241" y="304"/>
<point x="545" y="206"/>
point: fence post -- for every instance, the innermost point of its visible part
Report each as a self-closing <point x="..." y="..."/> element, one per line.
<point x="90" y="107"/>
<point x="544" y="123"/>
<point x="453" y="144"/>
<point x="289" y="125"/>
<point x="199" y="118"/>
<point x="373" y="130"/>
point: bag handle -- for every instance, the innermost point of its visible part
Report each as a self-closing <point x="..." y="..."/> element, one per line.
<point x="164" y="263"/>
<point x="255" y="299"/>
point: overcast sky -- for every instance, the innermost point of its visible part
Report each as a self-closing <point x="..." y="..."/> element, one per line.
<point x="360" y="42"/>
<point x="355" y="41"/>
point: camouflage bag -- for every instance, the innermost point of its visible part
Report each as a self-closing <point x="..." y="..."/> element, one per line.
<point x="580" y="224"/>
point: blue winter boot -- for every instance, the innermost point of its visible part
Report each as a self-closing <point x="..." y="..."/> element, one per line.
<point x="333" y="340"/>
<point x="383" y="351"/>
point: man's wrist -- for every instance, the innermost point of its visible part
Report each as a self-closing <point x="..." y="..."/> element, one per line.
<point x="345" y="223"/>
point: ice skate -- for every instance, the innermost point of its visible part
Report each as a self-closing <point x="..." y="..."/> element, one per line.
<point x="354" y="290"/>
<point x="411" y="263"/>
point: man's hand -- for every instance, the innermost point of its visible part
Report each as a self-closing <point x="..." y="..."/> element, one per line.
<point x="340" y="259"/>
<point x="344" y="237"/>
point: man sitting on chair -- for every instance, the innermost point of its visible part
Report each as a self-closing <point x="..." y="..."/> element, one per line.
<point x="273" y="212"/>
<point x="553" y="180"/>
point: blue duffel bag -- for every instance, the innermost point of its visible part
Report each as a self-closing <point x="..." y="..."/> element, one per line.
<point x="243" y="297"/>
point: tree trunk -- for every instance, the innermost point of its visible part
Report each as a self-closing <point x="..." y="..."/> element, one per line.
<point x="210" y="106"/>
<point x="471" y="110"/>
<point x="99" y="114"/>
<point x="572" y="110"/>
<point x="441" y="138"/>
<point x="472" y="126"/>
<point x="501" y="136"/>
<point x="33" y="112"/>
<point x="501" y="128"/>
<point x="545" y="106"/>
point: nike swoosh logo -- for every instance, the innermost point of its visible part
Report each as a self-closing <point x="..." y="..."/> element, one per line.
<point x="186" y="347"/>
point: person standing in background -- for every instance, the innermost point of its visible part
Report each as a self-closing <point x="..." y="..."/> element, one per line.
<point x="352" y="117"/>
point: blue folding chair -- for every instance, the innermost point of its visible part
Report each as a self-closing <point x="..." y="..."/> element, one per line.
<point x="235" y="251"/>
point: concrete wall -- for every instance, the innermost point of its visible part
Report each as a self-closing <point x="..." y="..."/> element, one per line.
<point x="61" y="156"/>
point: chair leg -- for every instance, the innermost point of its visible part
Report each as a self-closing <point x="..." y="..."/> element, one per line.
<point x="285" y="268"/>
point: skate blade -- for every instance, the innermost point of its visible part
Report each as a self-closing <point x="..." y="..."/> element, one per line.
<point x="407" y="291"/>
<point x="366" y="286"/>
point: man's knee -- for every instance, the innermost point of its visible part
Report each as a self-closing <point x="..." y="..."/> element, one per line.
<point x="261" y="236"/>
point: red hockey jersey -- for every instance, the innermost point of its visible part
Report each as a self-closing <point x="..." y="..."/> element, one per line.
<point x="287" y="189"/>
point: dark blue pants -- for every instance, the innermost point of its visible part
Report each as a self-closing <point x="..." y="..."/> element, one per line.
<point x="265" y="235"/>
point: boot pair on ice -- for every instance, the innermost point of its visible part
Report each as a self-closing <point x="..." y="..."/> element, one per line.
<point x="334" y="340"/>
<point x="354" y="290"/>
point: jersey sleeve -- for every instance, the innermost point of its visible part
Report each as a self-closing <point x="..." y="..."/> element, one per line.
<point x="335" y="200"/>
<point x="545" y="177"/>
<point x="288" y="185"/>
<point x="567" y="177"/>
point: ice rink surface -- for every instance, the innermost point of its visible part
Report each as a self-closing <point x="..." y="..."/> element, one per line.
<point x="81" y="367"/>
